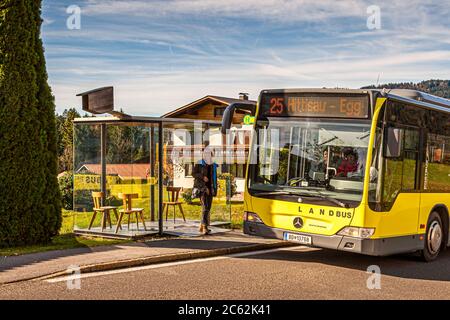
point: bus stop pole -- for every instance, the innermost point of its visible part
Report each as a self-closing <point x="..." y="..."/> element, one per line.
<point x="103" y="161"/>
<point x="152" y="173"/>
<point x="160" y="178"/>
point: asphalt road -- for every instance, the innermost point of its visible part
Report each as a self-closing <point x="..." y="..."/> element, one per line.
<point x="290" y="273"/>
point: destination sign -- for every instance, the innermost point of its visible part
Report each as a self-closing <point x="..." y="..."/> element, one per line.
<point x="308" y="105"/>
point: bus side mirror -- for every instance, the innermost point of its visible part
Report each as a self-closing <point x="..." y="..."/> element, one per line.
<point x="227" y="119"/>
<point x="393" y="142"/>
<point x="228" y="114"/>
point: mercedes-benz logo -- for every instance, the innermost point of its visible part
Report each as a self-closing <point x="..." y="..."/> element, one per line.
<point x="298" y="222"/>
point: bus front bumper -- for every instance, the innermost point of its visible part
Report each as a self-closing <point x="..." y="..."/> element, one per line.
<point x="373" y="247"/>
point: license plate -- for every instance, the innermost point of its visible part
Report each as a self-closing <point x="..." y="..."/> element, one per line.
<point x="297" y="238"/>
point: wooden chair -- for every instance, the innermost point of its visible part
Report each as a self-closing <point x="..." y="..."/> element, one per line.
<point x="129" y="210"/>
<point x="173" y="195"/>
<point x="105" y="210"/>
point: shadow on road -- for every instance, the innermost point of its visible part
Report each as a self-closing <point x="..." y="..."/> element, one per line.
<point x="404" y="266"/>
<point x="42" y="259"/>
<point x="12" y="262"/>
<point x="198" y="244"/>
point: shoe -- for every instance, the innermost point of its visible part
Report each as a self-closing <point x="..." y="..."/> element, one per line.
<point x="207" y="231"/>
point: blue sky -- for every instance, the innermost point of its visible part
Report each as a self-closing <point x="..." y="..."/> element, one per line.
<point x="162" y="54"/>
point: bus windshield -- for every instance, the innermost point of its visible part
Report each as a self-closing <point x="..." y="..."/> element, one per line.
<point x="310" y="158"/>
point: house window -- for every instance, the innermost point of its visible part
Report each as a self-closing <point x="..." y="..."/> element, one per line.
<point x="238" y="170"/>
<point x="188" y="169"/>
<point x="218" y="112"/>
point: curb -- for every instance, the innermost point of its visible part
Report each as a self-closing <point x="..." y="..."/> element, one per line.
<point x="121" y="264"/>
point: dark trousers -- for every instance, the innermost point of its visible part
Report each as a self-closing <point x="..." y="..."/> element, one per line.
<point x="206" y="200"/>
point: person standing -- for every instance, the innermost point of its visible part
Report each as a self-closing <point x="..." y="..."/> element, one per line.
<point x="205" y="187"/>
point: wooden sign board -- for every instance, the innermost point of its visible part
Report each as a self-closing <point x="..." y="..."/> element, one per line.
<point x="99" y="100"/>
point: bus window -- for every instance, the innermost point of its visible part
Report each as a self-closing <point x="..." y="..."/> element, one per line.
<point x="303" y="156"/>
<point x="375" y="181"/>
<point x="400" y="172"/>
<point x="437" y="166"/>
<point x="395" y="157"/>
<point x="392" y="180"/>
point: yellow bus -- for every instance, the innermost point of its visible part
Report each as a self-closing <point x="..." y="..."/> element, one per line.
<point x="365" y="171"/>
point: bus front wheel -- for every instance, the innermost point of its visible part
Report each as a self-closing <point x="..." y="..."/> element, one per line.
<point x="433" y="238"/>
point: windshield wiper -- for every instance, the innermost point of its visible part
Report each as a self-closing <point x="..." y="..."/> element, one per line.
<point x="303" y="194"/>
<point x="324" y="197"/>
<point x="333" y="200"/>
<point x="275" y="192"/>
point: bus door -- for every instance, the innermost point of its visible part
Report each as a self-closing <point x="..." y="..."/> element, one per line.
<point x="402" y="177"/>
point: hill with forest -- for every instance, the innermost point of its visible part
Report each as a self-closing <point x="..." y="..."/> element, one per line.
<point x="439" y="88"/>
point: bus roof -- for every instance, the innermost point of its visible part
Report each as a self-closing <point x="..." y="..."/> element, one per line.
<point x="420" y="96"/>
<point x="318" y="90"/>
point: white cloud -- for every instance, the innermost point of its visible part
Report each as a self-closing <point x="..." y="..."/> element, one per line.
<point x="285" y="10"/>
<point x="164" y="56"/>
<point x="159" y="93"/>
<point x="47" y="21"/>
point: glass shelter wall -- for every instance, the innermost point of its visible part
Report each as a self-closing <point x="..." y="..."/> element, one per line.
<point x="130" y="163"/>
<point x="121" y="160"/>
<point x="129" y="172"/>
<point x="183" y="148"/>
<point x="87" y="176"/>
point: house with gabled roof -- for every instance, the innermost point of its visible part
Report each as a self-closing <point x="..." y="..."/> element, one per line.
<point x="211" y="108"/>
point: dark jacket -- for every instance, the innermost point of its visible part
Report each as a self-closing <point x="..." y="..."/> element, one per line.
<point x="201" y="170"/>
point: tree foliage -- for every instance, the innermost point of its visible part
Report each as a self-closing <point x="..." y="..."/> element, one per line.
<point x="30" y="205"/>
<point x="66" y="188"/>
<point x="64" y="125"/>
<point x="440" y="88"/>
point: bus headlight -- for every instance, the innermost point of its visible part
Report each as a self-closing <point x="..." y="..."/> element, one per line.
<point x="252" y="217"/>
<point x="357" y="232"/>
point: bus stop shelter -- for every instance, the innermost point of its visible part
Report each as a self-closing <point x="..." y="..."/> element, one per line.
<point x="150" y="161"/>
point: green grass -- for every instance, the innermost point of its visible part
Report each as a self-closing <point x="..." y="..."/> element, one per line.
<point x="65" y="240"/>
<point x="438" y="177"/>
<point x="237" y="215"/>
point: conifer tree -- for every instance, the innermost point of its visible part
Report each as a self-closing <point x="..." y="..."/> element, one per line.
<point x="30" y="205"/>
